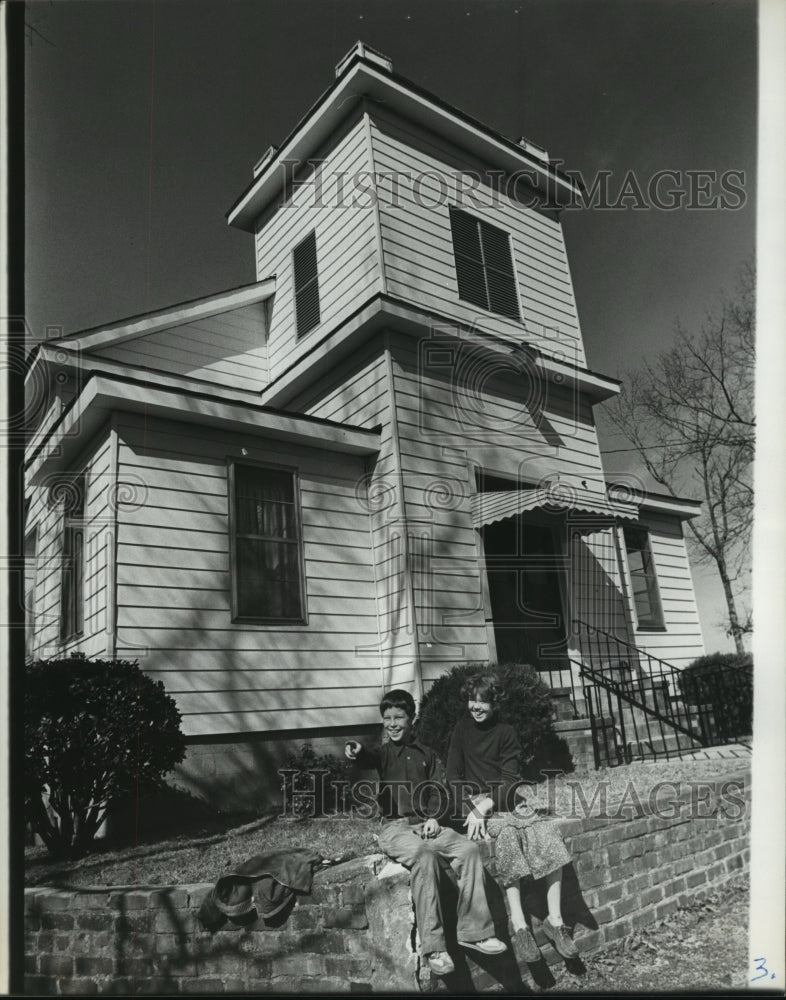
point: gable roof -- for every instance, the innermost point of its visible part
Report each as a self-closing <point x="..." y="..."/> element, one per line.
<point x="161" y="319"/>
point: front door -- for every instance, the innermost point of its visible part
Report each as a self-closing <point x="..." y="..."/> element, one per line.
<point x="524" y="568"/>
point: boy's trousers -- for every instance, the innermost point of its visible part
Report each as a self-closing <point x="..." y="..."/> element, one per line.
<point x="404" y="844"/>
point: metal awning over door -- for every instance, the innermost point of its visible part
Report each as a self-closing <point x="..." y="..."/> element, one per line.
<point x="490" y="507"/>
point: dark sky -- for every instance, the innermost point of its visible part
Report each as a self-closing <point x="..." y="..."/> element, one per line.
<point x="145" y="120"/>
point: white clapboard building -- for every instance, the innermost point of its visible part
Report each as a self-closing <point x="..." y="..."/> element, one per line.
<point x="378" y="460"/>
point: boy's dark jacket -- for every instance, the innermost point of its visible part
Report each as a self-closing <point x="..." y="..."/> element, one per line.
<point x="265" y="883"/>
<point x="411" y="779"/>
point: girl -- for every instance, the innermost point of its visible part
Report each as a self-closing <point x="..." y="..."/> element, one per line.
<point x="484" y="756"/>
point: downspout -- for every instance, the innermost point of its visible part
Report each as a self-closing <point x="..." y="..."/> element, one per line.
<point x="407" y="567"/>
<point x="380" y="641"/>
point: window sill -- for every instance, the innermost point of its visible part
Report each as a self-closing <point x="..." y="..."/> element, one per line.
<point x="490" y="312"/>
<point x="66" y="640"/>
<point x="278" y="622"/>
<point x="651" y="628"/>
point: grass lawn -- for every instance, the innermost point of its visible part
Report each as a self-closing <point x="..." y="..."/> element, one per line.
<point x="193" y="857"/>
<point x="208" y="845"/>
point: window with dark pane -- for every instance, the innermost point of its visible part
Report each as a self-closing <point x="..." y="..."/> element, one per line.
<point x="644" y="582"/>
<point x="73" y="559"/>
<point x="268" y="582"/>
<point x="484" y="264"/>
<point x="304" y="264"/>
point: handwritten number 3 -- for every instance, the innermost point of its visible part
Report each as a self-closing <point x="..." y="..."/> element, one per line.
<point x="761" y="967"/>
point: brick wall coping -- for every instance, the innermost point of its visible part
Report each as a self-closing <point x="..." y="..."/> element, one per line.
<point x="355" y="931"/>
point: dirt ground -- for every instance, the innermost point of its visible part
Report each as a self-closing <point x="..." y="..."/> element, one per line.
<point x="702" y="947"/>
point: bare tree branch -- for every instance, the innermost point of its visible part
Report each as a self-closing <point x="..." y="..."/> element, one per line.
<point x="690" y="417"/>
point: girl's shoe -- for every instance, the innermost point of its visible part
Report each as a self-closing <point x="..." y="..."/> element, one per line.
<point x="440" y="963"/>
<point x="560" y="938"/>
<point x="525" y="945"/>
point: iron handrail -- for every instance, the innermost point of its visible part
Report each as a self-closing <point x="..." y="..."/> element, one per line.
<point x="656" y="720"/>
<point x="654" y="707"/>
<point x="642" y="707"/>
<point x="626" y="693"/>
<point x="665" y="666"/>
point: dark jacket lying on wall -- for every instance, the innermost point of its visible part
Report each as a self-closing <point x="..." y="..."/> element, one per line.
<point x="265" y="883"/>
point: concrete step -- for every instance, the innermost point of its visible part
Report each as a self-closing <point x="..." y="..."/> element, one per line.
<point x="660" y="748"/>
<point x="742" y="750"/>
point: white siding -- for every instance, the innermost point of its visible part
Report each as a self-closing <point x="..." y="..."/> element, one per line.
<point x="495" y="413"/>
<point x="347" y="259"/>
<point x="228" y="349"/>
<point x="358" y="392"/>
<point x="441" y="431"/>
<point x="447" y="419"/>
<point x="418" y="247"/>
<point x="174" y="587"/>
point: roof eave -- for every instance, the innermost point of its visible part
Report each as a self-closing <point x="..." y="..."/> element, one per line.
<point x="595" y="386"/>
<point x="684" y="508"/>
<point x="362" y="79"/>
<point x="102" y="395"/>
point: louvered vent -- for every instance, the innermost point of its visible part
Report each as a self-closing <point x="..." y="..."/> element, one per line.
<point x="484" y="265"/>
<point x="304" y="262"/>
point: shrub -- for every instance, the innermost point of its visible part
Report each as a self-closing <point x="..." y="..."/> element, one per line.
<point x="525" y="704"/>
<point x="318" y="786"/>
<point x="721" y="684"/>
<point x="95" y="731"/>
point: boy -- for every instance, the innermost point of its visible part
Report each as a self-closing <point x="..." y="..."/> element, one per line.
<point x="403" y="764"/>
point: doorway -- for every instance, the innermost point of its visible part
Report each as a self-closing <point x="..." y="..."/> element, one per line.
<point x="526" y="570"/>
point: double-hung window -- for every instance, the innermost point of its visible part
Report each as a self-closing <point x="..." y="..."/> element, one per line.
<point x="73" y="565"/>
<point x="484" y="264"/>
<point x="267" y="549"/>
<point x="304" y="266"/>
<point x="644" y="582"/>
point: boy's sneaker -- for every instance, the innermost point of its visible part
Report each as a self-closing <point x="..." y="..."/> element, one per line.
<point x="440" y="963"/>
<point x="560" y="938"/>
<point x="526" y="946"/>
<point x="488" y="946"/>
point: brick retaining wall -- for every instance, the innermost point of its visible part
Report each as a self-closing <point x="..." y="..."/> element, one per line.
<point x="355" y="932"/>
